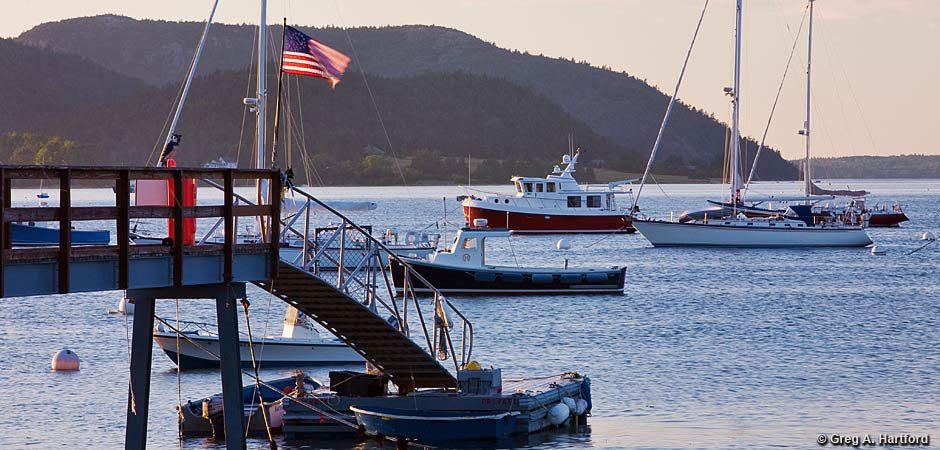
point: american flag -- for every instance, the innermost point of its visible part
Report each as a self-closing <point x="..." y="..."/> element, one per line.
<point x="304" y="55"/>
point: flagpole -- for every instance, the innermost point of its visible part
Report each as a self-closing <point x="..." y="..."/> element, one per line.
<point x="277" y="103"/>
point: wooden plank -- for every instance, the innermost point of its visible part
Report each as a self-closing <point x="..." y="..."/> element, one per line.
<point x="65" y="229"/>
<point x="275" y="221"/>
<point x="31" y="214"/>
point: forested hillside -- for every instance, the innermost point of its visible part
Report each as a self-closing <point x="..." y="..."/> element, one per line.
<point x="622" y="108"/>
<point x="38" y="85"/>
<point x="427" y="117"/>
<point x="903" y="166"/>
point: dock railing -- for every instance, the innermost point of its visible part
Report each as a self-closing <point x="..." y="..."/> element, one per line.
<point x="122" y="213"/>
<point x="347" y="256"/>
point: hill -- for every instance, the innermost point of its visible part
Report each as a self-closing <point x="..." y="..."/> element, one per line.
<point x="428" y="116"/>
<point x="884" y="167"/>
<point x="42" y="85"/>
<point x="617" y="106"/>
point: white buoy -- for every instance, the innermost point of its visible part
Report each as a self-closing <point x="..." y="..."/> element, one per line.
<point x="65" y="359"/>
<point x="580" y="406"/>
<point x="562" y="244"/>
<point x="877" y="251"/>
<point x="126" y="306"/>
<point x="928" y="236"/>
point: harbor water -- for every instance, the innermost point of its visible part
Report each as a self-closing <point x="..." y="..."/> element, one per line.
<point x="706" y="348"/>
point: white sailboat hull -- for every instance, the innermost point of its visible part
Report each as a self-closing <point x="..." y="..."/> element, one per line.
<point x="269" y="352"/>
<point x="664" y="234"/>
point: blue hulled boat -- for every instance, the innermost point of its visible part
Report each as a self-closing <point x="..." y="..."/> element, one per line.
<point x="436" y="425"/>
<point x="35" y="235"/>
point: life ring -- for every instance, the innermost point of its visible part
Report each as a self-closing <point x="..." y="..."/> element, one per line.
<point x="411" y="237"/>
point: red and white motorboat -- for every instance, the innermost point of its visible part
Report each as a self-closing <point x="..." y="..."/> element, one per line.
<point x="555" y="204"/>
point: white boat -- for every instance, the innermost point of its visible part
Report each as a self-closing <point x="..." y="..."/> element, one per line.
<point x="792" y="229"/>
<point x="554" y="204"/>
<point x="299" y="345"/>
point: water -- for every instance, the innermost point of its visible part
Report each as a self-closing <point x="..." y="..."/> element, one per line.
<point x="706" y="349"/>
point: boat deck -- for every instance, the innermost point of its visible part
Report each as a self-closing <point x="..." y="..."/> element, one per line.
<point x="532" y="397"/>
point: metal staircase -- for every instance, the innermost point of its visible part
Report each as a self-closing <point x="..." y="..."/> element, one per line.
<point x="342" y="283"/>
<point x="383" y="345"/>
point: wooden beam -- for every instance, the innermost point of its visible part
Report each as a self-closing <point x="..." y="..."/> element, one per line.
<point x="65" y="228"/>
<point x="229" y="231"/>
<point x="123" y="202"/>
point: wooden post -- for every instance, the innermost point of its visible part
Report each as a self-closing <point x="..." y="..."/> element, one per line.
<point x="230" y="365"/>
<point x="177" y="227"/>
<point x="123" y="202"/>
<point x="138" y="397"/>
<point x="4" y="195"/>
<point x="65" y="228"/>
<point x="275" y="219"/>
<point x="229" y="232"/>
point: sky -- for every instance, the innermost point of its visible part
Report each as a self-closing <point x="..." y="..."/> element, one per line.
<point x="876" y="63"/>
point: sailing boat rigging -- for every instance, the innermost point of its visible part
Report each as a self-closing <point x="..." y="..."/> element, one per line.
<point x="795" y="228"/>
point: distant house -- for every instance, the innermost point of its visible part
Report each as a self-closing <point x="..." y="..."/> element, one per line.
<point x="370" y="150"/>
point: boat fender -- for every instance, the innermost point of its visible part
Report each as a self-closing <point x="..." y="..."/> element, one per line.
<point x="558" y="414"/>
<point x="563" y="244"/>
<point x="586" y="392"/>
<point x="580" y="406"/>
<point x="569" y="402"/>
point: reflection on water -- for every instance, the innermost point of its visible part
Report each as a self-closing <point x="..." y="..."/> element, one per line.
<point x="706" y="348"/>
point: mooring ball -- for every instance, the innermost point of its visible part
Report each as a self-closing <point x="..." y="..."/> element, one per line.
<point x="562" y="244"/>
<point x="65" y="360"/>
<point x="928" y="236"/>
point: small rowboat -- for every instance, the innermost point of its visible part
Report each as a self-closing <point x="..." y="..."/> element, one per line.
<point x="436" y="425"/>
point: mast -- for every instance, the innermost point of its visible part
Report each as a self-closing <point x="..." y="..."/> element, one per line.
<point x="807" y="173"/>
<point x="736" y="107"/>
<point x="261" y="98"/>
<point x="189" y="81"/>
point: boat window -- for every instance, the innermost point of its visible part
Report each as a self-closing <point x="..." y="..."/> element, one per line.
<point x="574" y="201"/>
<point x="518" y="187"/>
<point x="538" y="187"/>
<point x="469" y="243"/>
<point x="528" y="187"/>
<point x="550" y="187"/>
<point x="594" y="201"/>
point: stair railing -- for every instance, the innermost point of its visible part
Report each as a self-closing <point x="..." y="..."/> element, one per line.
<point x="356" y="267"/>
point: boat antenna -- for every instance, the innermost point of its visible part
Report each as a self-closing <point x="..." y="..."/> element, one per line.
<point x="807" y="172"/>
<point x="672" y="101"/>
<point x="172" y="139"/>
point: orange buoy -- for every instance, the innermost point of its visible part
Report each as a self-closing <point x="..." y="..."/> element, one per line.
<point x="65" y="360"/>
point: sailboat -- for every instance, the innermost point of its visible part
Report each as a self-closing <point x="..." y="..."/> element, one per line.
<point x="797" y="227"/>
<point x="299" y="345"/>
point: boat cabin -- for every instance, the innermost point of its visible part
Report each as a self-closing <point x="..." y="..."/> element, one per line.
<point x="469" y="247"/>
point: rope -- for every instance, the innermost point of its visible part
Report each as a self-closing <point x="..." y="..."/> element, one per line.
<point x="773" y="108"/>
<point x="372" y="97"/>
<point x="179" y="376"/>
<point x="672" y="101"/>
<point x="254" y="365"/>
<point x="241" y="133"/>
